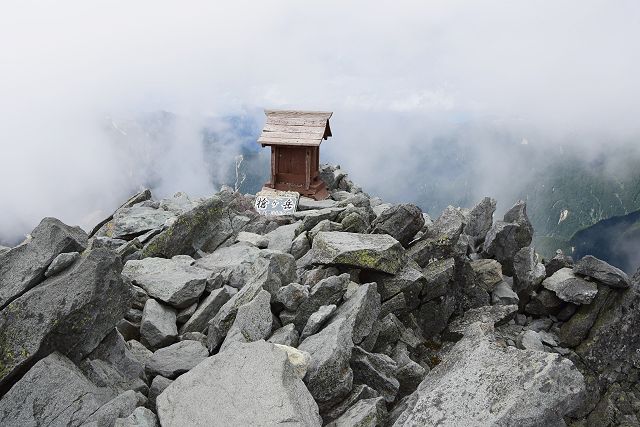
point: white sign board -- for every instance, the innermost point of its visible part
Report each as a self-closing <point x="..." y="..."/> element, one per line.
<point x="273" y="203"/>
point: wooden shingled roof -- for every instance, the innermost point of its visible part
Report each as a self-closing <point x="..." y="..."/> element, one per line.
<point x="295" y="128"/>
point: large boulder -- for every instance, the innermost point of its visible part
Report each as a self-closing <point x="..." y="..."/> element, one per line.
<point x="53" y="392"/>
<point x="402" y="222"/>
<point x="208" y="308"/>
<point x="378" y="252"/>
<point x="481" y="383"/>
<point x="507" y="237"/>
<point x="130" y="222"/>
<point x="172" y="281"/>
<point x="253" y="321"/>
<point x="158" y="326"/>
<point x="249" y="384"/>
<point x="603" y="272"/>
<point x="568" y="287"/>
<point x="480" y="219"/>
<point x="175" y="360"/>
<point x="326" y="292"/>
<point x="24" y="266"/>
<point x="528" y="271"/>
<point x="440" y="239"/>
<point x="71" y="313"/>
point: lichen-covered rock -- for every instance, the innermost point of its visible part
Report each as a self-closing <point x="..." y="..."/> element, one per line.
<point x="70" y="312"/>
<point x="249" y="384"/>
<point x="481" y="383"/>
<point x="378" y="252"/>
<point x="24" y="266"/>
<point x="172" y="281"/>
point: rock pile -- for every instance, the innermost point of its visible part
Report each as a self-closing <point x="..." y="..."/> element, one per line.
<point x="350" y="312"/>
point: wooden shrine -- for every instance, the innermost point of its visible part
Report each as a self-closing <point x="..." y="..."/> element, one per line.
<point x="294" y="138"/>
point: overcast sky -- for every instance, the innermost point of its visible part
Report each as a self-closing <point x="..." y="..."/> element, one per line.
<point x="392" y="71"/>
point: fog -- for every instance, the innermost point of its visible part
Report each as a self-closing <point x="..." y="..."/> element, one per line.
<point x="402" y="78"/>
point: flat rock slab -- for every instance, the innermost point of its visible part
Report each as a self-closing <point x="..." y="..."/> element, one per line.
<point x="53" y="392"/>
<point x="378" y="252"/>
<point x="603" y="272"/>
<point x="493" y="314"/>
<point x="246" y="385"/>
<point x="175" y="360"/>
<point x="481" y="383"/>
<point x="137" y="220"/>
<point x="172" y="281"/>
<point x="571" y="288"/>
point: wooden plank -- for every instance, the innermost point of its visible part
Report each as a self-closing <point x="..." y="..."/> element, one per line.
<point x="283" y="141"/>
<point x="269" y="127"/>
<point x="273" y="164"/>
<point x="288" y="135"/>
<point x="325" y="115"/>
<point x="296" y="121"/>
<point x="307" y="169"/>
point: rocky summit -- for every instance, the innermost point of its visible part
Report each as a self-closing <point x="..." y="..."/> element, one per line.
<point x="350" y="312"/>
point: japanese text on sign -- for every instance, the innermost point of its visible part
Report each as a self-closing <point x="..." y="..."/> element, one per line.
<point x="272" y="203"/>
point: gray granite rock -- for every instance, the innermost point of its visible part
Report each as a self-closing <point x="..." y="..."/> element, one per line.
<point x="480" y="219"/>
<point x="507" y="237"/>
<point x="317" y="320"/>
<point x="158" y="385"/>
<point x="603" y="272"/>
<point x="326" y="292"/>
<point x="249" y="384"/>
<point x="23" y="266"/>
<point x="120" y="406"/>
<point x="528" y="271"/>
<point x="503" y="294"/>
<point x="253" y="321"/>
<point x="133" y="221"/>
<point x="62" y="313"/>
<point x="173" y="361"/>
<point x="141" y="417"/>
<point x="61" y="262"/>
<point x="172" y="281"/>
<point x="53" y="392"/>
<point x="530" y="340"/>
<point x="498" y="385"/>
<point x="286" y="335"/>
<point x="438" y="275"/>
<point x="300" y="245"/>
<point x="207" y="309"/>
<point x="568" y="287"/>
<point x="158" y="327"/>
<point x="377" y="371"/>
<point x="493" y="315"/>
<point x="365" y="413"/>
<point x="401" y="222"/>
<point x="253" y="239"/>
<point x="378" y="252"/>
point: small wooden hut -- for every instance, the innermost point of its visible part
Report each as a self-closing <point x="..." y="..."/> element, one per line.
<point x="294" y="138"/>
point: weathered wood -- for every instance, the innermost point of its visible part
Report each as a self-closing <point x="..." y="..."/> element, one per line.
<point x="307" y="169"/>
<point x="268" y="127"/>
<point x="296" y="121"/>
<point x="326" y="115"/>
<point x="292" y="142"/>
<point x="274" y="163"/>
<point x="287" y="135"/>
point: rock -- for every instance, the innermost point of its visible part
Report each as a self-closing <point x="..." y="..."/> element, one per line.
<point x="374" y="252"/>
<point x="158" y="327"/>
<point x="530" y="340"/>
<point x="528" y="271"/>
<point x="175" y="360"/>
<point x="408" y="373"/>
<point x="484" y="273"/>
<point x="207" y="309"/>
<point x="557" y="262"/>
<point x="599" y="270"/>
<point x="291" y="296"/>
<point x="506" y="238"/>
<point x="409" y="281"/>
<point x="503" y="294"/>
<point x="256" y="377"/>
<point x="70" y="312"/>
<point x="158" y="385"/>
<point x="438" y="275"/>
<point x="375" y="370"/>
<point x="133" y="221"/>
<point x="401" y="222"/>
<point x="576" y="328"/>
<point x="240" y="264"/>
<point x="139" y="351"/>
<point x="480" y="219"/>
<point x="185" y="314"/>
<point x="326" y="292"/>
<point x="543" y="303"/>
<point x="286" y="335"/>
<point x="441" y="238"/>
<point x="61" y="262"/>
<point x="171" y="281"/>
<point x="433" y="316"/>
<point x="24" y="266"/>
<point x="498" y="385"/>
<point x="306" y="204"/>
<point x="354" y="222"/>
<point x="298" y="359"/>
<point x="120" y="406"/>
<point x="330" y="377"/>
<point x="300" y="245"/>
<point x="252" y="322"/>
<point x="317" y="320"/>
<point x="365" y="413"/>
<point x="494" y="314"/>
<point x="141" y="417"/>
<point x="359" y="392"/>
<point x="53" y="392"/>
<point x="253" y="239"/>
<point x="312" y="218"/>
<point x="282" y="237"/>
<point x="570" y="288"/>
<point x="396" y="305"/>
